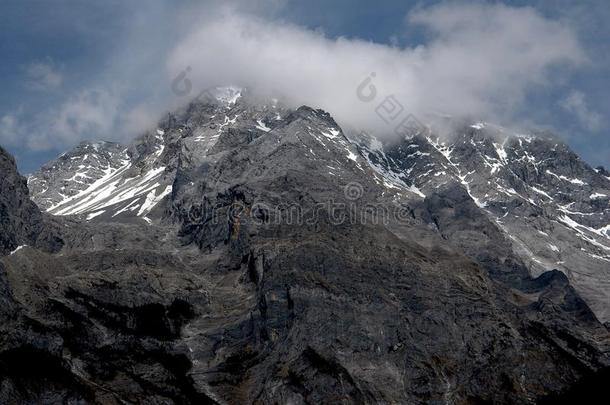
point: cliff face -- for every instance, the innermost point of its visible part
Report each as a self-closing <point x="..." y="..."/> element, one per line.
<point x="20" y="219"/>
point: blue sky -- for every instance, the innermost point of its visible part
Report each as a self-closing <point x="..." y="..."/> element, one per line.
<point x="74" y="70"/>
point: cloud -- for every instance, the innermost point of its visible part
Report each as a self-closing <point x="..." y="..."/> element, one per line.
<point x="43" y="76"/>
<point x="10" y="132"/>
<point x="90" y="114"/>
<point x="576" y="104"/>
<point x="479" y="60"/>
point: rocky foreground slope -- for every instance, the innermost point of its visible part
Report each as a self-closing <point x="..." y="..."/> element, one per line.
<point x="249" y="253"/>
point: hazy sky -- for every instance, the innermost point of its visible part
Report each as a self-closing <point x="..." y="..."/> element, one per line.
<point x="75" y="70"/>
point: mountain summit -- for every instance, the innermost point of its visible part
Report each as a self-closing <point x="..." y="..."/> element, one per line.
<point x="246" y="252"/>
<point x="551" y="207"/>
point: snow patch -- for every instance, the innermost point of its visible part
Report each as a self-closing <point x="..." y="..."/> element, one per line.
<point x="152" y="200"/>
<point x="261" y="125"/>
<point x="228" y="95"/>
<point x="18" y="249"/>
<point x="541" y="192"/>
<point x="564" y="178"/>
<point x="95" y="214"/>
<point x="580" y="229"/>
<point x="501" y="152"/>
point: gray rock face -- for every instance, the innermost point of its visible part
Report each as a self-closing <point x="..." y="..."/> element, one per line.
<point x="288" y="265"/>
<point x="21" y="222"/>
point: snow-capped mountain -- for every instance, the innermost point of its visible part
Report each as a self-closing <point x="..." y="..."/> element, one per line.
<point x="103" y="178"/>
<point x="551" y="205"/>
<point x="108" y="180"/>
<point x="245" y="252"/>
<point x="75" y="171"/>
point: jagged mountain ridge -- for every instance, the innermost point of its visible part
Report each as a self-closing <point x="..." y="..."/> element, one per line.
<point x="552" y="206"/>
<point x="74" y="171"/>
<point x="123" y="182"/>
<point x="216" y="301"/>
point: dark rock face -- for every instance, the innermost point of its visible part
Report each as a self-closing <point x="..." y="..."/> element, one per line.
<point x="107" y="326"/>
<point x="282" y="268"/>
<point x="19" y="216"/>
<point x="21" y="222"/>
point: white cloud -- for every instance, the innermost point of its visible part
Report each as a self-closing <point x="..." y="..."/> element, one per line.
<point x="43" y="76"/>
<point x="10" y="132"/>
<point x="90" y="114"/>
<point x="576" y="104"/>
<point x="140" y="117"/>
<point x="480" y="60"/>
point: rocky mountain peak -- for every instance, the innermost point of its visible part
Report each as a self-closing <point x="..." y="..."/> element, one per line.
<point x="244" y="251"/>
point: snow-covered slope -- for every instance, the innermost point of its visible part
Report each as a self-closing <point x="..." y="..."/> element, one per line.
<point x="109" y="181"/>
<point x="75" y="171"/>
<point x="551" y="205"/>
